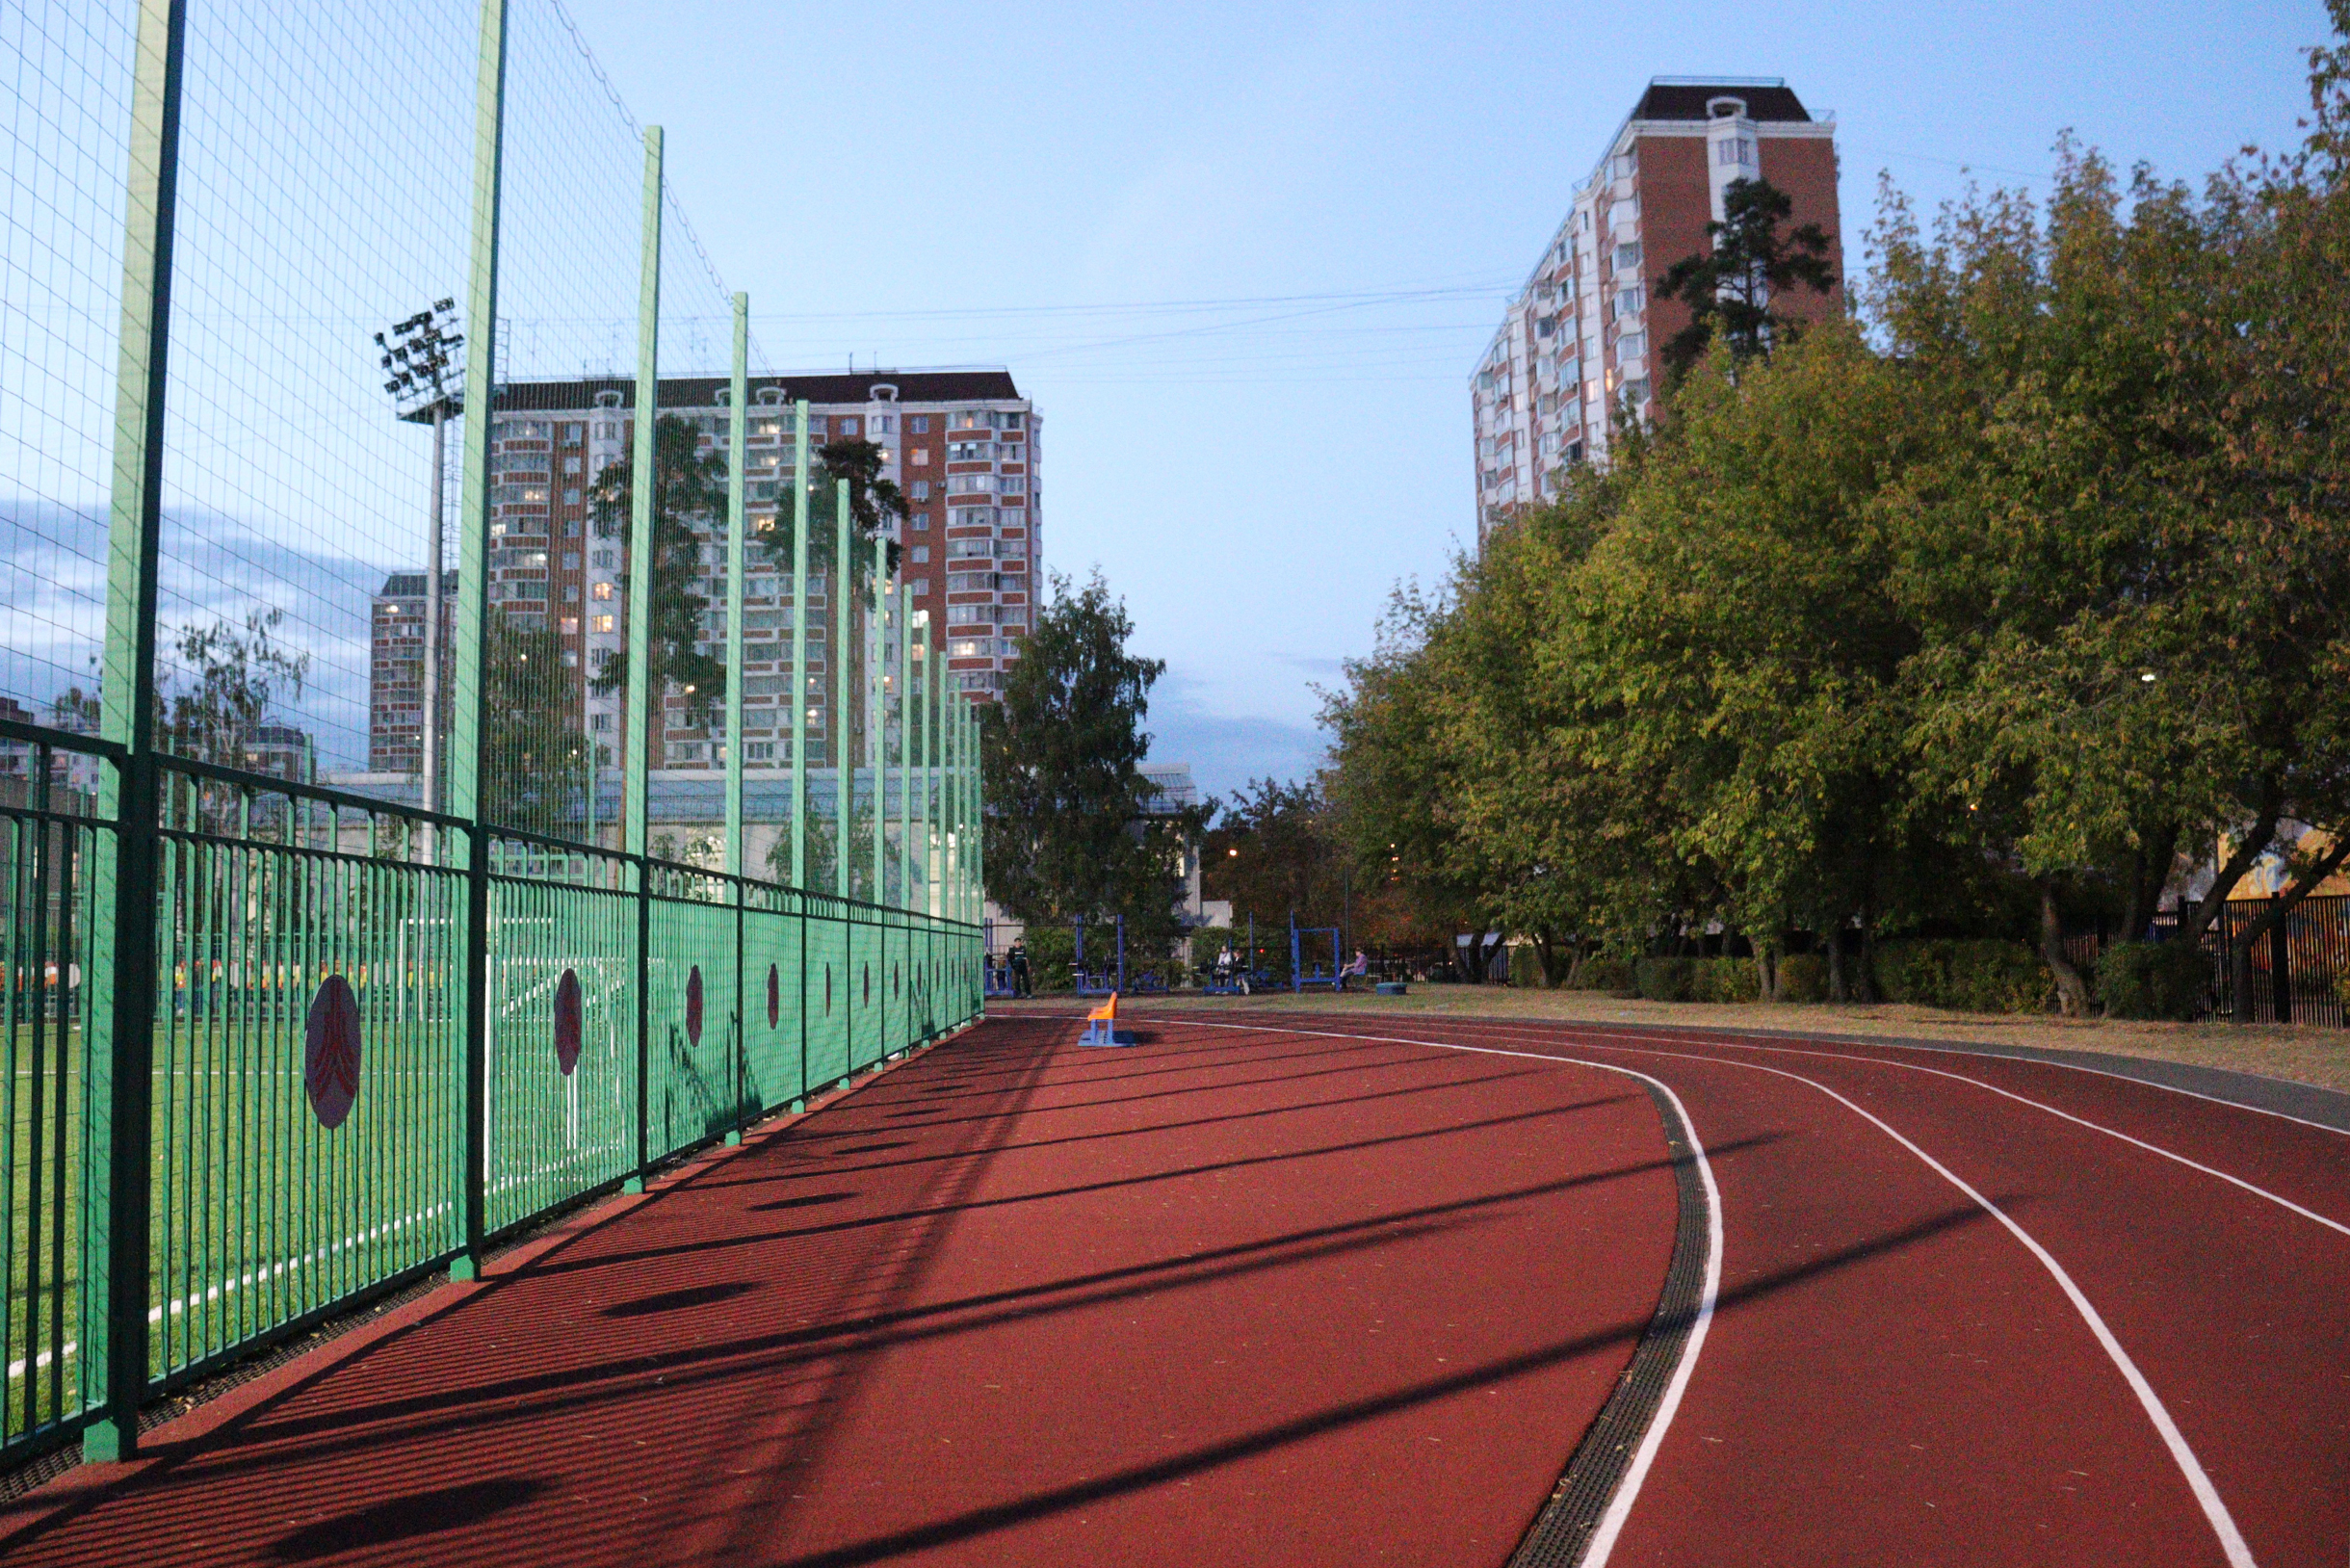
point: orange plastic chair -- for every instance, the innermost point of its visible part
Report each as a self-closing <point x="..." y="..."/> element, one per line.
<point x="1102" y="1024"/>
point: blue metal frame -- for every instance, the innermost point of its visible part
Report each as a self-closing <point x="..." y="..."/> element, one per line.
<point x="1335" y="977"/>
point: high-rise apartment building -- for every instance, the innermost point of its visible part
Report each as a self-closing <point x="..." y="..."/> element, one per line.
<point x="962" y="446"/>
<point x="1580" y="339"/>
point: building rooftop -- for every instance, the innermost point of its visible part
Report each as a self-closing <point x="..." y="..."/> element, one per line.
<point x="1685" y="98"/>
<point x="705" y="391"/>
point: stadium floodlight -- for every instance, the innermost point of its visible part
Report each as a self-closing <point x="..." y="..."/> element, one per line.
<point x="423" y="361"/>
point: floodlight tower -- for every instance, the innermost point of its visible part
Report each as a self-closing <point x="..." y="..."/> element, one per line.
<point x="424" y="372"/>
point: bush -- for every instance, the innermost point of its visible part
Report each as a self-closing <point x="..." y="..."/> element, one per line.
<point x="1665" y="979"/>
<point x="1606" y="972"/>
<point x="2153" y="979"/>
<point x="1803" y="977"/>
<point x="1965" y="975"/>
<point x="1526" y="968"/>
<point x="1726" y="980"/>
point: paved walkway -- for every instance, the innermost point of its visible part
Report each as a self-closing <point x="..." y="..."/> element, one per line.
<point x="1216" y="1299"/>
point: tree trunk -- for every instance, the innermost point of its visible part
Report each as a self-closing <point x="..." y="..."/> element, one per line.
<point x="1575" y="965"/>
<point x="1837" y="990"/>
<point x="2150" y="873"/>
<point x="2071" y="995"/>
<point x="2248" y="851"/>
<point x="1766" y="968"/>
<point x="1867" y="980"/>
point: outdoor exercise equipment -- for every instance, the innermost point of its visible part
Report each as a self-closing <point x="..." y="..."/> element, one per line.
<point x="1333" y="975"/>
<point x="1109" y="982"/>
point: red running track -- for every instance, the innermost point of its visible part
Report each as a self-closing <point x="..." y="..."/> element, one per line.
<point x="1217" y="1300"/>
<point x="1896" y="1375"/>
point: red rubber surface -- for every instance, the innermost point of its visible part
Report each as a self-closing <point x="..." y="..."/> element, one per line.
<point x="1892" y="1377"/>
<point x="1217" y="1299"/>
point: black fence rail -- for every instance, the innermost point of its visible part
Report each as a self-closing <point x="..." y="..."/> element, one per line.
<point x="2296" y="965"/>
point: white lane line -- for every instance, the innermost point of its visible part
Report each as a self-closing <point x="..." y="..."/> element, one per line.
<point x="2103" y="1072"/>
<point x="2215" y="1510"/>
<point x="1627" y="1489"/>
<point x="1916" y="1067"/>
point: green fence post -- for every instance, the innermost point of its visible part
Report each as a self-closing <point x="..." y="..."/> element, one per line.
<point x="800" y="656"/>
<point x="903" y="708"/>
<point x="643" y="717"/>
<point x="470" y="621"/>
<point x="876" y="725"/>
<point x="736" y="525"/>
<point x="839" y="601"/>
<point x="119" y="1083"/>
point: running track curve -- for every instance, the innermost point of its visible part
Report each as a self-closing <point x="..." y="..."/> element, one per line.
<point x="2073" y="1319"/>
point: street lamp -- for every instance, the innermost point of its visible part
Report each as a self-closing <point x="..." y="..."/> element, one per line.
<point x="424" y="374"/>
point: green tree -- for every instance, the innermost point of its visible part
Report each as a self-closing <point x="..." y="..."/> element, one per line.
<point x="689" y="492"/>
<point x="534" y="754"/>
<point x="1067" y="832"/>
<point x="226" y="681"/>
<point x="1732" y="287"/>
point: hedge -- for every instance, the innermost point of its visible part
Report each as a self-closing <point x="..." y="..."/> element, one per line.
<point x="1698" y="980"/>
<point x="1963" y="975"/>
<point x="2153" y="979"/>
<point x="1606" y="972"/>
<point x="1803" y="977"/>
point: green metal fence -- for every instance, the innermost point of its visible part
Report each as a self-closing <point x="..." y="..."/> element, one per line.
<point x="275" y="1045"/>
<point x="306" y="1112"/>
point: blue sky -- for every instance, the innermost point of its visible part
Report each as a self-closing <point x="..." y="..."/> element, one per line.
<point x="1244" y="258"/>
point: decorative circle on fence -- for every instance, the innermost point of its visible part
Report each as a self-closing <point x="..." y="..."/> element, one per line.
<point x="694" y="1007"/>
<point x="568" y="1022"/>
<point x="774" y="997"/>
<point x="330" y="1052"/>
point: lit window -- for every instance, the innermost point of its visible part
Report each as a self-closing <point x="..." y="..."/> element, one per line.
<point x="601" y="590"/>
<point x="571" y="626"/>
<point x="599" y="624"/>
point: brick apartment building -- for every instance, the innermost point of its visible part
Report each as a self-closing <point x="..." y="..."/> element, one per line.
<point x="1582" y="336"/>
<point x="961" y="444"/>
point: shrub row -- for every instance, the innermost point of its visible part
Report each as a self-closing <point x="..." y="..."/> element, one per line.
<point x="1698" y="980"/>
<point x="1963" y="975"/>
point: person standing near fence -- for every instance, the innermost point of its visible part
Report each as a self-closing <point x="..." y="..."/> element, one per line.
<point x="1018" y="961"/>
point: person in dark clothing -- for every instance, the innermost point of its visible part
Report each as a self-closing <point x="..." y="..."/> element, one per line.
<point x="1019" y="962"/>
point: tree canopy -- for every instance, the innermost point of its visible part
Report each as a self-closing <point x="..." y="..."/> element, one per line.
<point x="1067" y="832"/>
<point x="1995" y="608"/>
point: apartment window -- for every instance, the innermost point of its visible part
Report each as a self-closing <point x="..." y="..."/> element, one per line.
<point x="815" y="430"/>
<point x="571" y="593"/>
<point x="921" y="425"/>
<point x="849" y="428"/>
<point x="882" y="423"/>
<point x="970" y="451"/>
<point x="602" y="557"/>
<point x="599" y="624"/>
<point x="758" y="751"/>
<point x="602" y="721"/>
<point x="922" y="555"/>
<point x="1627" y="165"/>
<point x="571" y="626"/>
<point x="601" y="590"/>
<point x="571" y="561"/>
<point x="1627" y="257"/>
<point x="1632" y="345"/>
<point x="921" y="457"/>
<point x="1735" y="151"/>
<point x="1011" y="485"/>
<point x="1631" y="300"/>
<point x="921" y="522"/>
<point x="922" y="487"/>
